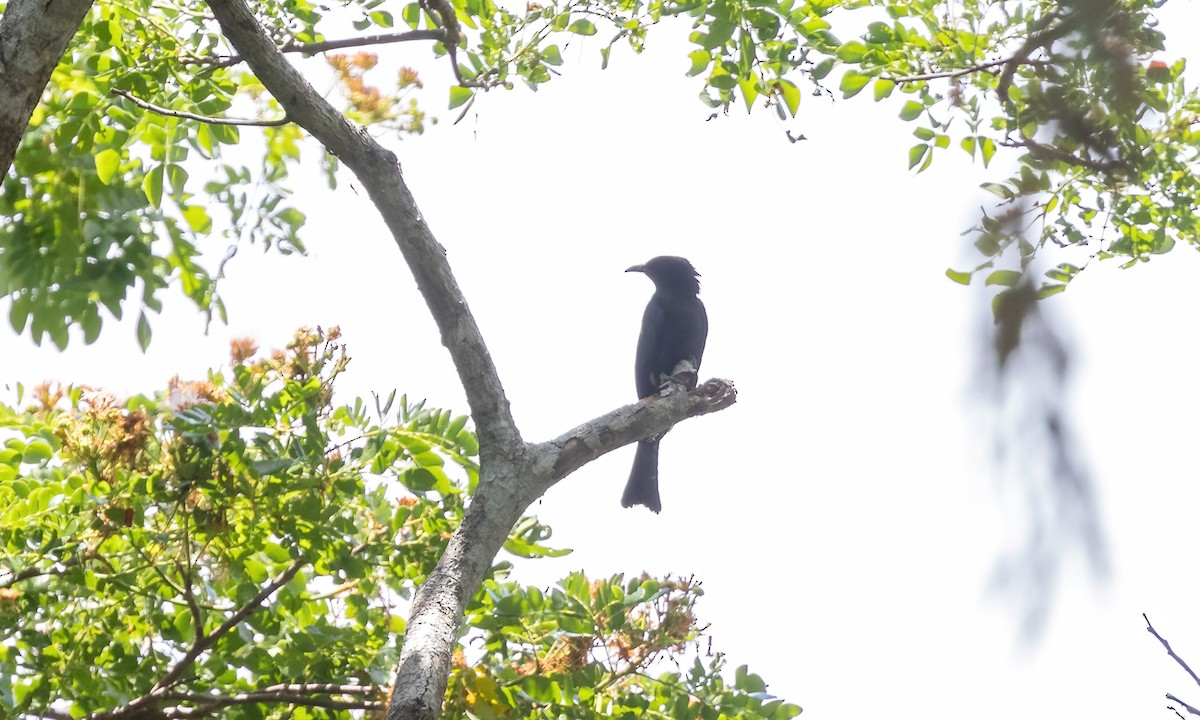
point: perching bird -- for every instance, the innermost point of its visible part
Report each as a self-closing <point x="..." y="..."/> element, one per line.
<point x="674" y="329"/>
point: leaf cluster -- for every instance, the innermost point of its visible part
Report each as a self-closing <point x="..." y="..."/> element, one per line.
<point x="243" y="547"/>
<point x="596" y="649"/>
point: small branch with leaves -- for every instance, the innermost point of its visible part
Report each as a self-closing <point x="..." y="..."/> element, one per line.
<point x="168" y="112"/>
<point x="161" y="692"/>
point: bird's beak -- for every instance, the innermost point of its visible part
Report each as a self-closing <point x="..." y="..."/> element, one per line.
<point x="637" y="268"/>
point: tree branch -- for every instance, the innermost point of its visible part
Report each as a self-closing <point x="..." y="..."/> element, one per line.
<point x="950" y="73"/>
<point x="204" y="704"/>
<point x="34" y="34"/>
<point x="1044" y="34"/>
<point x="379" y="173"/>
<point x="1167" y="646"/>
<point x="204" y="642"/>
<point x="653" y="416"/>
<point x="512" y="474"/>
<point x="1191" y="710"/>
<point x="159" y="110"/>
<point x="162" y="689"/>
<point x="12" y="578"/>
<point x="308" y="49"/>
<point x="1049" y="152"/>
<point x="506" y="490"/>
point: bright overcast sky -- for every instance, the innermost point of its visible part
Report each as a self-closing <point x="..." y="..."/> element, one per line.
<point x="843" y="516"/>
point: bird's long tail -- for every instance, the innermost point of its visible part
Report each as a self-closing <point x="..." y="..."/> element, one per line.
<point x="642" y="488"/>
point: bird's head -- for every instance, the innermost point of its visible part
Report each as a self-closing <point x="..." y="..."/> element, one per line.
<point x="670" y="273"/>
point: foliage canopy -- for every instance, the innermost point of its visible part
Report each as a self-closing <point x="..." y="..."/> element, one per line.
<point x="120" y="185"/>
<point x="242" y="547"/>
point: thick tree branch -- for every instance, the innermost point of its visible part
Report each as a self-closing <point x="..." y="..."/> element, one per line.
<point x="168" y="112"/>
<point x="505" y="492"/>
<point x="512" y="474"/>
<point x="578" y="447"/>
<point x="379" y="173"/>
<point x="34" y="34"/>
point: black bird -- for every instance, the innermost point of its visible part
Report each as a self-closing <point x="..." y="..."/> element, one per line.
<point x="674" y="329"/>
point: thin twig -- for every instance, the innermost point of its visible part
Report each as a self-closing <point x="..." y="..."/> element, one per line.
<point x="1187" y="707"/>
<point x="309" y="49"/>
<point x="192" y="116"/>
<point x="12" y="578"/>
<point x="950" y="73"/>
<point x="190" y="598"/>
<point x="203" y="704"/>
<point x="291" y="46"/>
<point x="1167" y="645"/>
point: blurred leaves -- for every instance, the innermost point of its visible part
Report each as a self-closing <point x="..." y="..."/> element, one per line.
<point x="1024" y="374"/>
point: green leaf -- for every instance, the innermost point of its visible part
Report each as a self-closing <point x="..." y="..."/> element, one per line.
<point x="18" y="314"/>
<point x="987" y="148"/>
<point x="143" y="331"/>
<point x="582" y="26"/>
<point x="197" y="218"/>
<point x="823" y="68"/>
<point x="852" y="82"/>
<point x="107" y="163"/>
<point x="911" y="110"/>
<point x="177" y="177"/>
<point x="723" y="82"/>
<point x="1048" y="289"/>
<point x="749" y="88"/>
<point x="1007" y="278"/>
<point x="152" y="185"/>
<point x="701" y="59"/>
<point x="883" y="88"/>
<point x="747" y="53"/>
<point x="411" y="14"/>
<point x="255" y="570"/>
<point x="915" y="154"/>
<point x="791" y="95"/>
<point x="382" y="18"/>
<point x="37" y="451"/>
<point x="851" y="52"/>
<point x="460" y="95"/>
<point x="551" y="55"/>
<point x="962" y="278"/>
<point x="999" y="190"/>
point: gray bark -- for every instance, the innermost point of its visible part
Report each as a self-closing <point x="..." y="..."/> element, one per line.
<point x="513" y="473"/>
<point x="34" y="34"/>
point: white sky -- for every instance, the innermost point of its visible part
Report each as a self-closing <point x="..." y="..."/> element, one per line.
<point x="843" y="515"/>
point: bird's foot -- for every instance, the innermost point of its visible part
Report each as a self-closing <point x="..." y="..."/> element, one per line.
<point x="684" y="374"/>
